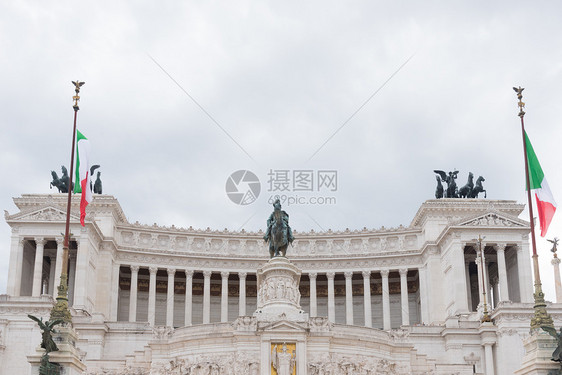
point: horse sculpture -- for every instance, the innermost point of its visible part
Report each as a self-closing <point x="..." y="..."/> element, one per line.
<point x="478" y="188"/>
<point x="57" y="183"/>
<point x="439" y="189"/>
<point x="97" y="185"/>
<point x="60" y="183"/>
<point x="279" y="233"/>
<point x="451" y="191"/>
<point x="466" y="190"/>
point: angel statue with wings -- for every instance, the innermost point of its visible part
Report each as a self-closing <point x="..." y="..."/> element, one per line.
<point x="283" y="362"/>
<point x="47" y="329"/>
<point x="452" y="191"/>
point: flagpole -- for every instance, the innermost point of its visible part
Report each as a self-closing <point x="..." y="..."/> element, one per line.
<point x="61" y="310"/>
<point x="541" y="317"/>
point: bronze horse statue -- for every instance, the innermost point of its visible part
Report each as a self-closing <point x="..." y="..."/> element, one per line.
<point x="439" y="189"/>
<point x="279" y="233"/>
<point x="57" y="183"/>
<point x="478" y="188"/>
<point x="466" y="190"/>
<point x="60" y="183"/>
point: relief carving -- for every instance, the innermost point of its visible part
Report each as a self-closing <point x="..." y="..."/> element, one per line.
<point x="276" y="288"/>
<point x="336" y="364"/>
<point x="219" y="364"/>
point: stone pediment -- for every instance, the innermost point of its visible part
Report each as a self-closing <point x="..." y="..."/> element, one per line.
<point x="46" y="213"/>
<point x="283" y="325"/>
<point x="493" y="219"/>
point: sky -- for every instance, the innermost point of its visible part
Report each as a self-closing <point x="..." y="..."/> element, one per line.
<point x="179" y="95"/>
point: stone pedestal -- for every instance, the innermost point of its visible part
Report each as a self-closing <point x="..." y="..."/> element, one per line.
<point x="278" y="292"/>
<point x="538" y="351"/>
<point x="67" y="356"/>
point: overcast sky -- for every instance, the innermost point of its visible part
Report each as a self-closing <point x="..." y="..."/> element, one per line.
<point x="270" y="83"/>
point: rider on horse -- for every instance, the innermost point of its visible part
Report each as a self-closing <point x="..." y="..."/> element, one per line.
<point x="278" y="233"/>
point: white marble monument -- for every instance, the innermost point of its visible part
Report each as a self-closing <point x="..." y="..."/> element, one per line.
<point x="149" y="299"/>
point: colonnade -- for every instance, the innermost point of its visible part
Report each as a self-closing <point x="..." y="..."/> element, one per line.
<point x="496" y="284"/>
<point x="171" y="277"/>
<point x="41" y="282"/>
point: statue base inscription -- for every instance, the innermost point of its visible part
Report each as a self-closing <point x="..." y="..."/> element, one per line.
<point x="278" y="292"/>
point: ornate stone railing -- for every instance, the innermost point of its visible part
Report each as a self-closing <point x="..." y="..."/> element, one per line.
<point x="251" y="244"/>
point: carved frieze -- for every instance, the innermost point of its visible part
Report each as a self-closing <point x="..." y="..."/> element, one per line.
<point x="278" y="288"/>
<point x="124" y="371"/>
<point x="319" y="324"/>
<point x="245" y="323"/>
<point x="493" y="220"/>
<point x="162" y="332"/>
<point x="337" y="364"/>
<point x="217" y="364"/>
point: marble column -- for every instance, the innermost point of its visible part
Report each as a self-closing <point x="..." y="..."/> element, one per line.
<point x="458" y="281"/>
<point x="367" y="298"/>
<point x="481" y="285"/>
<point x="404" y="296"/>
<point x="38" y="267"/>
<point x="489" y="359"/>
<point x="385" y="300"/>
<point x="495" y="289"/>
<point x="58" y="265"/>
<point x="15" y="266"/>
<point x="133" y="294"/>
<point x="502" y="272"/>
<point x="52" y="273"/>
<point x="313" y="303"/>
<point x="557" y="284"/>
<point x="525" y="272"/>
<point x="206" y="297"/>
<point x="348" y="298"/>
<point x="82" y="271"/>
<point x="170" y="298"/>
<point x="114" y="291"/>
<point x="188" y="297"/>
<point x="468" y="285"/>
<point x="152" y="296"/>
<point x="242" y="294"/>
<point x="331" y="299"/>
<point x="224" y="296"/>
<point x="424" y="295"/>
<point x="72" y="279"/>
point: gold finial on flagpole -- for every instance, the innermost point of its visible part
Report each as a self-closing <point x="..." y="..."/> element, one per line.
<point x="76" y="98"/>
<point x="519" y="91"/>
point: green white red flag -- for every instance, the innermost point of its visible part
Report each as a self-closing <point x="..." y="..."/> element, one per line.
<point x="546" y="205"/>
<point x="82" y="184"/>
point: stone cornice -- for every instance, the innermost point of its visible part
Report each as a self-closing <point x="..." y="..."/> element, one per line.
<point x="106" y="204"/>
<point x="237" y="263"/>
<point x="447" y="207"/>
<point x="347" y="233"/>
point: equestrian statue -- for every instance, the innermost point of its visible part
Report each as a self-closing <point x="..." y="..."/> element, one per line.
<point x="278" y="233"/>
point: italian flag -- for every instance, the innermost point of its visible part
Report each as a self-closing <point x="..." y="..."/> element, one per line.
<point x="82" y="184"/>
<point x="545" y="201"/>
